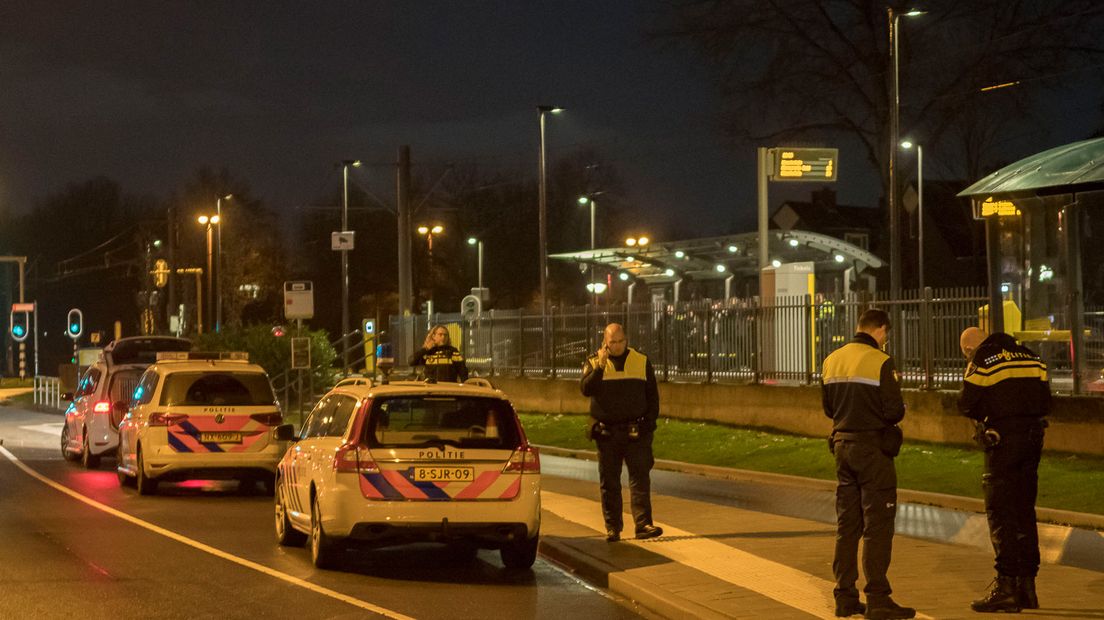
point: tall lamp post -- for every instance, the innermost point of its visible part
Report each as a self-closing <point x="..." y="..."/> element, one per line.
<point x="210" y="221"/>
<point x="894" y="130"/>
<point x="593" y="205"/>
<point x="218" y="264"/>
<point x="429" y="231"/>
<point x="543" y="110"/>
<point x="345" y="163"/>
<point x="908" y="144"/>
<point x="479" y="251"/>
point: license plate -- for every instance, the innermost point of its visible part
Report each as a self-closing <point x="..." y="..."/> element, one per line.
<point x="220" y="437"/>
<point x="444" y="474"/>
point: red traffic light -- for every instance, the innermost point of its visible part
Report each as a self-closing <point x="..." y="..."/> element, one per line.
<point x="278" y="331"/>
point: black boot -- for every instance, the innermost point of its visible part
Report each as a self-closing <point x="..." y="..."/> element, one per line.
<point x="886" y="609"/>
<point x="849" y="607"/>
<point x="1025" y="593"/>
<point x="1002" y="597"/>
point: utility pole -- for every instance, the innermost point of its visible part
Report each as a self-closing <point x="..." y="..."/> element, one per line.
<point x="170" y="306"/>
<point x="406" y="285"/>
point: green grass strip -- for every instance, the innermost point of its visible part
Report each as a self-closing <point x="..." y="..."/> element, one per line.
<point x="1066" y="481"/>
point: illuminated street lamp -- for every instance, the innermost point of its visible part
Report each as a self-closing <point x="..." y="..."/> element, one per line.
<point x="584" y="200"/>
<point x="210" y="221"/>
<point x="544" y="110"/>
<point x="894" y="123"/>
<point x="907" y="145"/>
<point x="634" y="242"/>
<point x="428" y="231"/>
<point x="479" y="246"/>
<point x="218" y="264"/>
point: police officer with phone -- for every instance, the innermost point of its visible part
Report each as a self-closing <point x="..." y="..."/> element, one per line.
<point x="624" y="407"/>
<point x="1005" y="391"/>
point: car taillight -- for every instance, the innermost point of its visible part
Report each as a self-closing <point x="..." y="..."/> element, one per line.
<point x="268" y="419"/>
<point x="166" y="419"/>
<point x="102" y="407"/>
<point x="525" y="459"/>
<point x="353" y="459"/>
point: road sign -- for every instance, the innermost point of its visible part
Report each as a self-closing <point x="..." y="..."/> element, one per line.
<point x="369" y="331"/>
<point x="470" y="307"/>
<point x="27" y="307"/>
<point x="800" y="164"/>
<point x="300" y="353"/>
<point x="299" y="299"/>
<point x="342" y="241"/>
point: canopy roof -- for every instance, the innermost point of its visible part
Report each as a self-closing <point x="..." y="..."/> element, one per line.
<point x="698" y="259"/>
<point x="1076" y="166"/>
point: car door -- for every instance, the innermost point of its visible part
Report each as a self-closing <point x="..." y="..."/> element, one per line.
<point x="83" y="400"/>
<point x="138" y="409"/>
<point x="302" y="453"/>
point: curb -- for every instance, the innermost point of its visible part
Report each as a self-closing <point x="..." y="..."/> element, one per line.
<point x="953" y="502"/>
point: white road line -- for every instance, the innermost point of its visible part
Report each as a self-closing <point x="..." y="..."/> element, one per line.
<point x="51" y="428"/>
<point x="302" y="583"/>
<point x="779" y="582"/>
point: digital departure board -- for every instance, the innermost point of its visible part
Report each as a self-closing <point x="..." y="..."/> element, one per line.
<point x="804" y="164"/>
<point x="999" y="208"/>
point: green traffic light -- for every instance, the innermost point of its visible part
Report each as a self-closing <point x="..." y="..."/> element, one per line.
<point x="18" y="330"/>
<point x="74" y="328"/>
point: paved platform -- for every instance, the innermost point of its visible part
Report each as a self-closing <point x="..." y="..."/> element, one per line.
<point x="718" y="560"/>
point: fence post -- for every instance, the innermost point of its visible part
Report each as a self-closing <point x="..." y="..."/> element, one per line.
<point x="552" y="357"/>
<point x="810" y="340"/>
<point x="490" y="341"/>
<point x="926" y="337"/>
<point x="663" y="343"/>
<point x="709" y="344"/>
<point x="521" y="343"/>
<point x="757" y="341"/>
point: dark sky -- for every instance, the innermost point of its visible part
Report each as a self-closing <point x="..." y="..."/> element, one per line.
<point x="146" y="92"/>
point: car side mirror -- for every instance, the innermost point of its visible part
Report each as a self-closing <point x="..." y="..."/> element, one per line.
<point x="285" y="432"/>
<point x="67" y="396"/>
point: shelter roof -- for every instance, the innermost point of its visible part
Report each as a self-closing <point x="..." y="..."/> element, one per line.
<point x="1077" y="166"/>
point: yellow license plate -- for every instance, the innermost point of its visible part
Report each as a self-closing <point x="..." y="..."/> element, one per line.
<point x="444" y="474"/>
<point x="220" y="437"/>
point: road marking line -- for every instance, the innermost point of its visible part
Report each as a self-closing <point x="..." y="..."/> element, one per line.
<point x="779" y="582"/>
<point x="302" y="583"/>
<point x="51" y="428"/>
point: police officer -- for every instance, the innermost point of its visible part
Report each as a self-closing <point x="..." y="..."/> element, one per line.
<point x="1005" y="391"/>
<point x="442" y="361"/>
<point x="863" y="397"/>
<point x="624" y="405"/>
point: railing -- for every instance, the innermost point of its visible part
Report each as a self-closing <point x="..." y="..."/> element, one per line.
<point x="738" y="341"/>
<point x="295" y="387"/>
<point x="47" y="391"/>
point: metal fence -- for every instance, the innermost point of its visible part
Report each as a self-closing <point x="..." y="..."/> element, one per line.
<point x="738" y="341"/>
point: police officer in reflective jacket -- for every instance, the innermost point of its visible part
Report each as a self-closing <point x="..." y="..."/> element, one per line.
<point x="441" y="360"/>
<point x="1005" y="391"/>
<point x="861" y="394"/>
<point x="624" y="405"/>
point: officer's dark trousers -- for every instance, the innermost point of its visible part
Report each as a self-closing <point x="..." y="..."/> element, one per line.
<point x="1011" y="482"/>
<point x="866" y="506"/>
<point x="636" y="454"/>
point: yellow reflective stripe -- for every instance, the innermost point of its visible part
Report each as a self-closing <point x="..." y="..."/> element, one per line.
<point x="1021" y="372"/>
<point x="636" y="367"/>
<point x="1013" y="364"/>
<point x="854" y="361"/>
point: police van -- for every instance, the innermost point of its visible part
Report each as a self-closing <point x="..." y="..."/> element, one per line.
<point x="411" y="461"/>
<point x="207" y="416"/>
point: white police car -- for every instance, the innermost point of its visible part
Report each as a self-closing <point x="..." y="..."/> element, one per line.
<point x="207" y="416"/>
<point x="91" y="427"/>
<point x="381" y="465"/>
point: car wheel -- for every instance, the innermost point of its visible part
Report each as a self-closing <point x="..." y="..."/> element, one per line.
<point x="324" y="550"/>
<point x="145" y="484"/>
<point x="520" y="554"/>
<point x="66" y="453"/>
<point x="89" y="460"/>
<point x="286" y="535"/>
<point x="124" y="479"/>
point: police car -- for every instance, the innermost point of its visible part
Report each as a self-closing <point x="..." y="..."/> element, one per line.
<point x="376" y="466"/>
<point x="207" y="416"/>
<point x="91" y="427"/>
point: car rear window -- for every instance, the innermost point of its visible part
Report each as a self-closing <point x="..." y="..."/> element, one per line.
<point x="464" y="421"/>
<point x="217" y="388"/>
<point x="123" y="383"/>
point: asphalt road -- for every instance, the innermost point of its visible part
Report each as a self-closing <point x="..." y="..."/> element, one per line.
<point x="73" y="543"/>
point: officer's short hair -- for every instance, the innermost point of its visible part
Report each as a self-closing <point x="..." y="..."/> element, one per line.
<point x="873" y="318"/>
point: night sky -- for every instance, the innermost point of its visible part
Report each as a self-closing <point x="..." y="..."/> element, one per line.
<point x="277" y="92"/>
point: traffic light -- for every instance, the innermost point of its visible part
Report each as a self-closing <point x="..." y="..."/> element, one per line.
<point x="278" y="331"/>
<point x="75" y="324"/>
<point x="20" y="325"/>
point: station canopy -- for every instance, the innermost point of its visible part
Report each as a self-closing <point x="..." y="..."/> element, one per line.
<point x="1074" y="167"/>
<point x="701" y="259"/>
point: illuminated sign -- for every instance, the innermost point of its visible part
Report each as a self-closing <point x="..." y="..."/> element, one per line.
<point x="804" y="164"/>
<point x="999" y="208"/>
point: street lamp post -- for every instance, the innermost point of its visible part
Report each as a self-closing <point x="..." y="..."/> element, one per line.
<point x="543" y="225"/>
<point x="479" y="251"/>
<point x="210" y="221"/>
<point x="429" y="231"/>
<point x="218" y="264"/>
<point x="593" y="205"/>
<point x="919" y="209"/>
<point x="345" y="261"/>
<point x="894" y="131"/>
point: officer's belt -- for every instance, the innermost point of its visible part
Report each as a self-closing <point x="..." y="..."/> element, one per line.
<point x="1016" y="423"/>
<point x="856" y="435"/>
